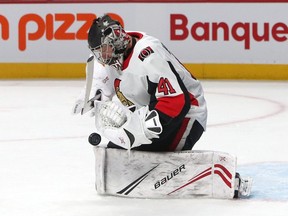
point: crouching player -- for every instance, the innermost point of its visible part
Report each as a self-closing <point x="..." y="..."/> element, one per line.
<point x="146" y="100"/>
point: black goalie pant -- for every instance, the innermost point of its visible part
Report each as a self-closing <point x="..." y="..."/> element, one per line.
<point x="194" y="135"/>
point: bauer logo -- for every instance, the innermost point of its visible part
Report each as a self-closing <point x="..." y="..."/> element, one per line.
<point x="145" y="53"/>
<point x="169" y="176"/>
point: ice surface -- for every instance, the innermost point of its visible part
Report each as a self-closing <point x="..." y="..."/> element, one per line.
<point x="47" y="165"/>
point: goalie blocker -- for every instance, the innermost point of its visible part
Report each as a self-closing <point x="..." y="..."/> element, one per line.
<point x="186" y="174"/>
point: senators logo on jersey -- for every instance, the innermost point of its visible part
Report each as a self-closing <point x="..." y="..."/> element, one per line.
<point x="120" y="95"/>
<point x="145" y="53"/>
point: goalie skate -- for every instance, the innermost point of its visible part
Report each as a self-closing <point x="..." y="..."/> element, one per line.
<point x="242" y="186"/>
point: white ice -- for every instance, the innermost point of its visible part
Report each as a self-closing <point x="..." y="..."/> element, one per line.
<point x="47" y="165"/>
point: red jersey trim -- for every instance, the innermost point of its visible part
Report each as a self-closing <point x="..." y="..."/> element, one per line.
<point x="171" y="106"/>
<point x="135" y="34"/>
<point x="193" y="100"/>
<point x="127" y="60"/>
<point x="179" y="134"/>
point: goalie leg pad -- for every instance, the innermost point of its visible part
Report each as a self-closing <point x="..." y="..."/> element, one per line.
<point x="186" y="174"/>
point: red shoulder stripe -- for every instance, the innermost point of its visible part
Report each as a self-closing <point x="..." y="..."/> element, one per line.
<point x="193" y="100"/>
<point x="171" y="106"/>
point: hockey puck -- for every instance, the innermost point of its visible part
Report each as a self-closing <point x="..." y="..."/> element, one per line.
<point x="94" y="139"/>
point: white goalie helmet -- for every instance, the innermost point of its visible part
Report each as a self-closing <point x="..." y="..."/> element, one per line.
<point x="108" y="41"/>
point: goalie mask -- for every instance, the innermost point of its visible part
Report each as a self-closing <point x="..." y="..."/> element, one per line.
<point x="108" y="41"/>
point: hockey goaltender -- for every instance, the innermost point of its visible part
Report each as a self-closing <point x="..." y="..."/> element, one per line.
<point x="149" y="112"/>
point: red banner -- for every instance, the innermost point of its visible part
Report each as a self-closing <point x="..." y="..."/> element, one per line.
<point x="135" y="1"/>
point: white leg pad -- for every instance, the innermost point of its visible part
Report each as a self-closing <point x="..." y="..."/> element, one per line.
<point x="184" y="174"/>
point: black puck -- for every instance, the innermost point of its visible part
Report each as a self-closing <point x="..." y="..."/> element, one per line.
<point x="94" y="139"/>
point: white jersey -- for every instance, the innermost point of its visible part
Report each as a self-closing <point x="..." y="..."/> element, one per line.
<point x="151" y="75"/>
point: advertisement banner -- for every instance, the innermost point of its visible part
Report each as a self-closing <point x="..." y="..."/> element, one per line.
<point x="198" y="33"/>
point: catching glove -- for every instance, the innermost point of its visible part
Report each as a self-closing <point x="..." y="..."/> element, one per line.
<point x="125" y="128"/>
